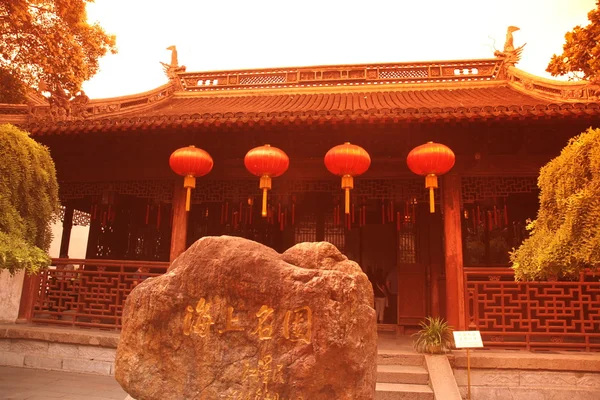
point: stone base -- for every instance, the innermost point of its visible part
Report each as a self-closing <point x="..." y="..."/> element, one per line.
<point x="529" y="376"/>
<point x="10" y="295"/>
<point x="57" y="349"/>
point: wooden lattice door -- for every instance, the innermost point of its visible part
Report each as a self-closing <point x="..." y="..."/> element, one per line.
<point x="420" y="266"/>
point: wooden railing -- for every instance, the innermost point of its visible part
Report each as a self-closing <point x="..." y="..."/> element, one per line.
<point x="548" y="315"/>
<point x="88" y="293"/>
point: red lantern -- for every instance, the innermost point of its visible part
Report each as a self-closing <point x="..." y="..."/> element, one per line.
<point x="430" y="159"/>
<point x="347" y="160"/>
<point x="267" y="162"/>
<point x="190" y="162"/>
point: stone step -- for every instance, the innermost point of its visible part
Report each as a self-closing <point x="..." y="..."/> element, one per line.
<point x="400" y="391"/>
<point x="410" y="374"/>
<point x="391" y="357"/>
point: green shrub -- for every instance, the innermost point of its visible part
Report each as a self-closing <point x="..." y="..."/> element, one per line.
<point x="28" y="201"/>
<point x="565" y="237"/>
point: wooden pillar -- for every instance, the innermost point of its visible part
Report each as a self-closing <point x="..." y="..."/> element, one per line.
<point x="455" y="285"/>
<point x="66" y="232"/>
<point x="180" y="220"/>
<point x="94" y="233"/>
<point x="435" y="291"/>
<point x="31" y="285"/>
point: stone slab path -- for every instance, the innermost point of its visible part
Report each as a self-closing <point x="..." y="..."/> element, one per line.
<point x="36" y="384"/>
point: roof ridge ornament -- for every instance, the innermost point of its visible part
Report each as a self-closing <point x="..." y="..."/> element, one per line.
<point x="510" y="54"/>
<point x="173" y="68"/>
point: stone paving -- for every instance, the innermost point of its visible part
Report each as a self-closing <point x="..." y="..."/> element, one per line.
<point x="35" y="384"/>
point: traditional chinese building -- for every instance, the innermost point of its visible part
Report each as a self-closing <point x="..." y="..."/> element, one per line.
<point x="112" y="160"/>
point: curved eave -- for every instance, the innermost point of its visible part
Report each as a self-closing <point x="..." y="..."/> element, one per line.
<point x="552" y="90"/>
<point x="396" y="115"/>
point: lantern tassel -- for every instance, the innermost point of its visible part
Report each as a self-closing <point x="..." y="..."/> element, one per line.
<point x="188" y="198"/>
<point x="347" y="184"/>
<point x="189" y="182"/>
<point x="431" y="182"/>
<point x="264" y="203"/>
<point x="431" y="201"/>
<point x="347" y="201"/>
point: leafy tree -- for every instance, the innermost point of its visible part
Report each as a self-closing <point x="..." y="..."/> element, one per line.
<point x="28" y="201"/>
<point x="48" y="45"/>
<point x="581" y="51"/>
<point x="565" y="236"/>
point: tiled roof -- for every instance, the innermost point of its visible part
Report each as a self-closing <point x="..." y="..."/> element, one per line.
<point x="405" y="92"/>
<point x="325" y="103"/>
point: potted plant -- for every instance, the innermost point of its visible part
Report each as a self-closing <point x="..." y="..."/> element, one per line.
<point x="435" y="336"/>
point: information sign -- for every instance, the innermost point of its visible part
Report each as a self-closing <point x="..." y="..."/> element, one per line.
<point x="467" y="339"/>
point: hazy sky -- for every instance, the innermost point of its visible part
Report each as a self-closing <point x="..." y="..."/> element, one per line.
<point x="235" y="34"/>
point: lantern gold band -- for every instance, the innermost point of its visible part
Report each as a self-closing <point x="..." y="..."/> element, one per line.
<point x="265" y="184"/>
<point x="189" y="182"/>
<point x="431" y="182"/>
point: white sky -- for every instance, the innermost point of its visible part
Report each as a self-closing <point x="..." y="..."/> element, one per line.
<point x="237" y="34"/>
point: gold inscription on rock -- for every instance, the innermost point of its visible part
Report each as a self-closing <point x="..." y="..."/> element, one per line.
<point x="230" y="323"/>
<point x="297" y="325"/>
<point x="265" y="323"/>
<point x="258" y="378"/>
<point x="198" y="321"/>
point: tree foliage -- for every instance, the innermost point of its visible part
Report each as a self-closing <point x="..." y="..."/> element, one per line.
<point x="581" y="51"/>
<point x="565" y="236"/>
<point x="48" y="45"/>
<point x="28" y="201"/>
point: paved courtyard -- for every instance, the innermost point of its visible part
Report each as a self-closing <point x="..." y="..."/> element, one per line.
<point x="35" y="384"/>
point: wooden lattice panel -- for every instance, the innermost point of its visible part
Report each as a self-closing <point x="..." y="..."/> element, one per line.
<point x="80" y="218"/>
<point x="92" y="295"/>
<point x="161" y="190"/>
<point x="480" y="188"/>
<point x="262" y="79"/>
<point x="239" y="190"/>
<point x="545" y="315"/>
<point x="403" y="73"/>
<point x="473" y="188"/>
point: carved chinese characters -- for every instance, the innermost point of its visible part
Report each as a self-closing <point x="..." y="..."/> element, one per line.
<point x="233" y="319"/>
<point x="299" y="322"/>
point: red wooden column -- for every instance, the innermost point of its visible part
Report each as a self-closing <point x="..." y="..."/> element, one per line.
<point x="66" y="232"/>
<point x="31" y="286"/>
<point x="455" y="284"/>
<point x="180" y="220"/>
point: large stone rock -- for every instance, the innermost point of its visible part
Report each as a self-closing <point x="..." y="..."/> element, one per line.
<point x="233" y="319"/>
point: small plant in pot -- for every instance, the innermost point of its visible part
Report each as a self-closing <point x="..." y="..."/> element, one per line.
<point x="435" y="336"/>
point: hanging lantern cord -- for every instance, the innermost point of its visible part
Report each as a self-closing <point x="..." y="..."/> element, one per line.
<point x="431" y="182"/>
<point x="189" y="182"/>
<point x="347" y="184"/>
<point x="265" y="185"/>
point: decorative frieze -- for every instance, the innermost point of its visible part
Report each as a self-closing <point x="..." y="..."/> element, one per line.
<point x="399" y="190"/>
<point x="480" y="188"/>
<point x="381" y="74"/>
